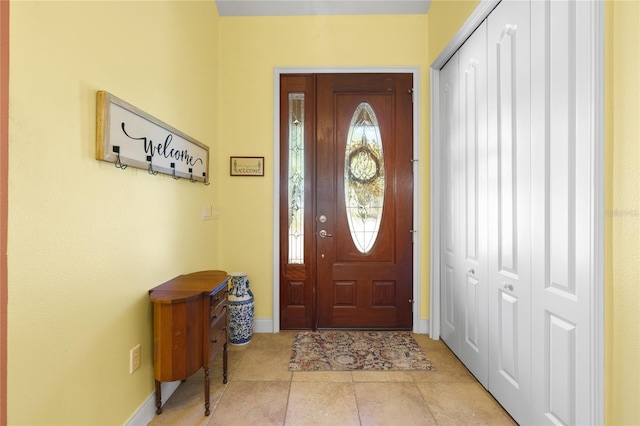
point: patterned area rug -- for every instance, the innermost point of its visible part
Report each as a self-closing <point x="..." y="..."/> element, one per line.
<point x="357" y="350"/>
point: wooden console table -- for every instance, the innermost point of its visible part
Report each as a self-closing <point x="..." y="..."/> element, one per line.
<point x="190" y="327"/>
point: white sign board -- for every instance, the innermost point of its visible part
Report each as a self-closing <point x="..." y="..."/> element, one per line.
<point x="127" y="136"/>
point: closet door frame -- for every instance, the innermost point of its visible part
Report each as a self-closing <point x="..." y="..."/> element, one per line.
<point x="597" y="208"/>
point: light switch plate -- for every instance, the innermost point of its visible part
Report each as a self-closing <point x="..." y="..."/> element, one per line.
<point x="206" y="212"/>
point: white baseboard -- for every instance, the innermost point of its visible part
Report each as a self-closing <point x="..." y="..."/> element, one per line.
<point x="147" y="410"/>
<point x="263" y="325"/>
<point x="422" y="327"/>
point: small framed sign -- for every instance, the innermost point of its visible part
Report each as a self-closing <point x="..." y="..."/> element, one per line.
<point x="246" y="166"/>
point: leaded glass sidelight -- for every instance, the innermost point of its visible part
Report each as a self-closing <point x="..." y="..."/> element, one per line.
<point x="296" y="178"/>
<point x="364" y="180"/>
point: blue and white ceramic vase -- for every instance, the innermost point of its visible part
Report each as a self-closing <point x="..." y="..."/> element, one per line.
<point x="241" y="307"/>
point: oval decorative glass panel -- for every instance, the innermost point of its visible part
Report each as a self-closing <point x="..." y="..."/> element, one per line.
<point x="364" y="181"/>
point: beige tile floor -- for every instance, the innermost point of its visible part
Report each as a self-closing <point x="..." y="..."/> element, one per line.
<point x="262" y="391"/>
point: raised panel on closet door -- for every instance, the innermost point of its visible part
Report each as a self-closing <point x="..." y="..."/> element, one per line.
<point x="472" y="78"/>
<point x="562" y="210"/>
<point x="450" y="236"/>
<point x="509" y="207"/>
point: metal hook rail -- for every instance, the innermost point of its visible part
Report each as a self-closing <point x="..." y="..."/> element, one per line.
<point x="173" y="173"/>
<point x="120" y="165"/>
<point x="150" y="169"/>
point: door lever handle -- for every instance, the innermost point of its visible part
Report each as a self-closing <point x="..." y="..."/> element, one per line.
<point x="508" y="286"/>
<point x="324" y="234"/>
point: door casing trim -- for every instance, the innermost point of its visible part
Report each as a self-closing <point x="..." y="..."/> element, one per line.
<point x="418" y="325"/>
<point x="597" y="297"/>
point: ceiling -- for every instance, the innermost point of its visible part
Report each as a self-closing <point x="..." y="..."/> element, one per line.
<point x="321" y="7"/>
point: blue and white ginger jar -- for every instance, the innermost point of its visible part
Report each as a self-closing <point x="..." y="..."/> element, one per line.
<point x="241" y="308"/>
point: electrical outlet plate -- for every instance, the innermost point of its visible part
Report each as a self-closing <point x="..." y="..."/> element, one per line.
<point x="134" y="359"/>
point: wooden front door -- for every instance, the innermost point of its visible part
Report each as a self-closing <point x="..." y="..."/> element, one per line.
<point x="357" y="266"/>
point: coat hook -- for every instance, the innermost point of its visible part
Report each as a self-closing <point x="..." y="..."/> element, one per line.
<point x="150" y="169"/>
<point x="173" y="174"/>
<point x="205" y="180"/>
<point x="191" y="177"/>
<point x="119" y="164"/>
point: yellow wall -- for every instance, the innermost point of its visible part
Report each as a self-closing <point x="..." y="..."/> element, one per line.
<point x="623" y="218"/>
<point x="86" y="240"/>
<point x="445" y="19"/>
<point x="250" y="49"/>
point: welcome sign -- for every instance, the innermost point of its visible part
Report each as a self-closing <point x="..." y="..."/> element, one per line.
<point x="127" y="136"/>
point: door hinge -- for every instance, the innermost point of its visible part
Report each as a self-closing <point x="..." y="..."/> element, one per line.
<point x="412" y="93"/>
<point x="413" y="233"/>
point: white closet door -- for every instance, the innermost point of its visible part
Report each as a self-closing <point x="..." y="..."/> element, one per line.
<point x="562" y="210"/>
<point x="450" y="246"/>
<point x="472" y="289"/>
<point x="509" y="207"/>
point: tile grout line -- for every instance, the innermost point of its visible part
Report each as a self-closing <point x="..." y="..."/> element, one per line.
<point x="426" y="403"/>
<point x="286" y="406"/>
<point x="355" y="396"/>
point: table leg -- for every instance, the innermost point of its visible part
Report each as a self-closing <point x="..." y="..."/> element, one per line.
<point x="206" y="392"/>
<point x="224" y="363"/>
<point x="158" y="398"/>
